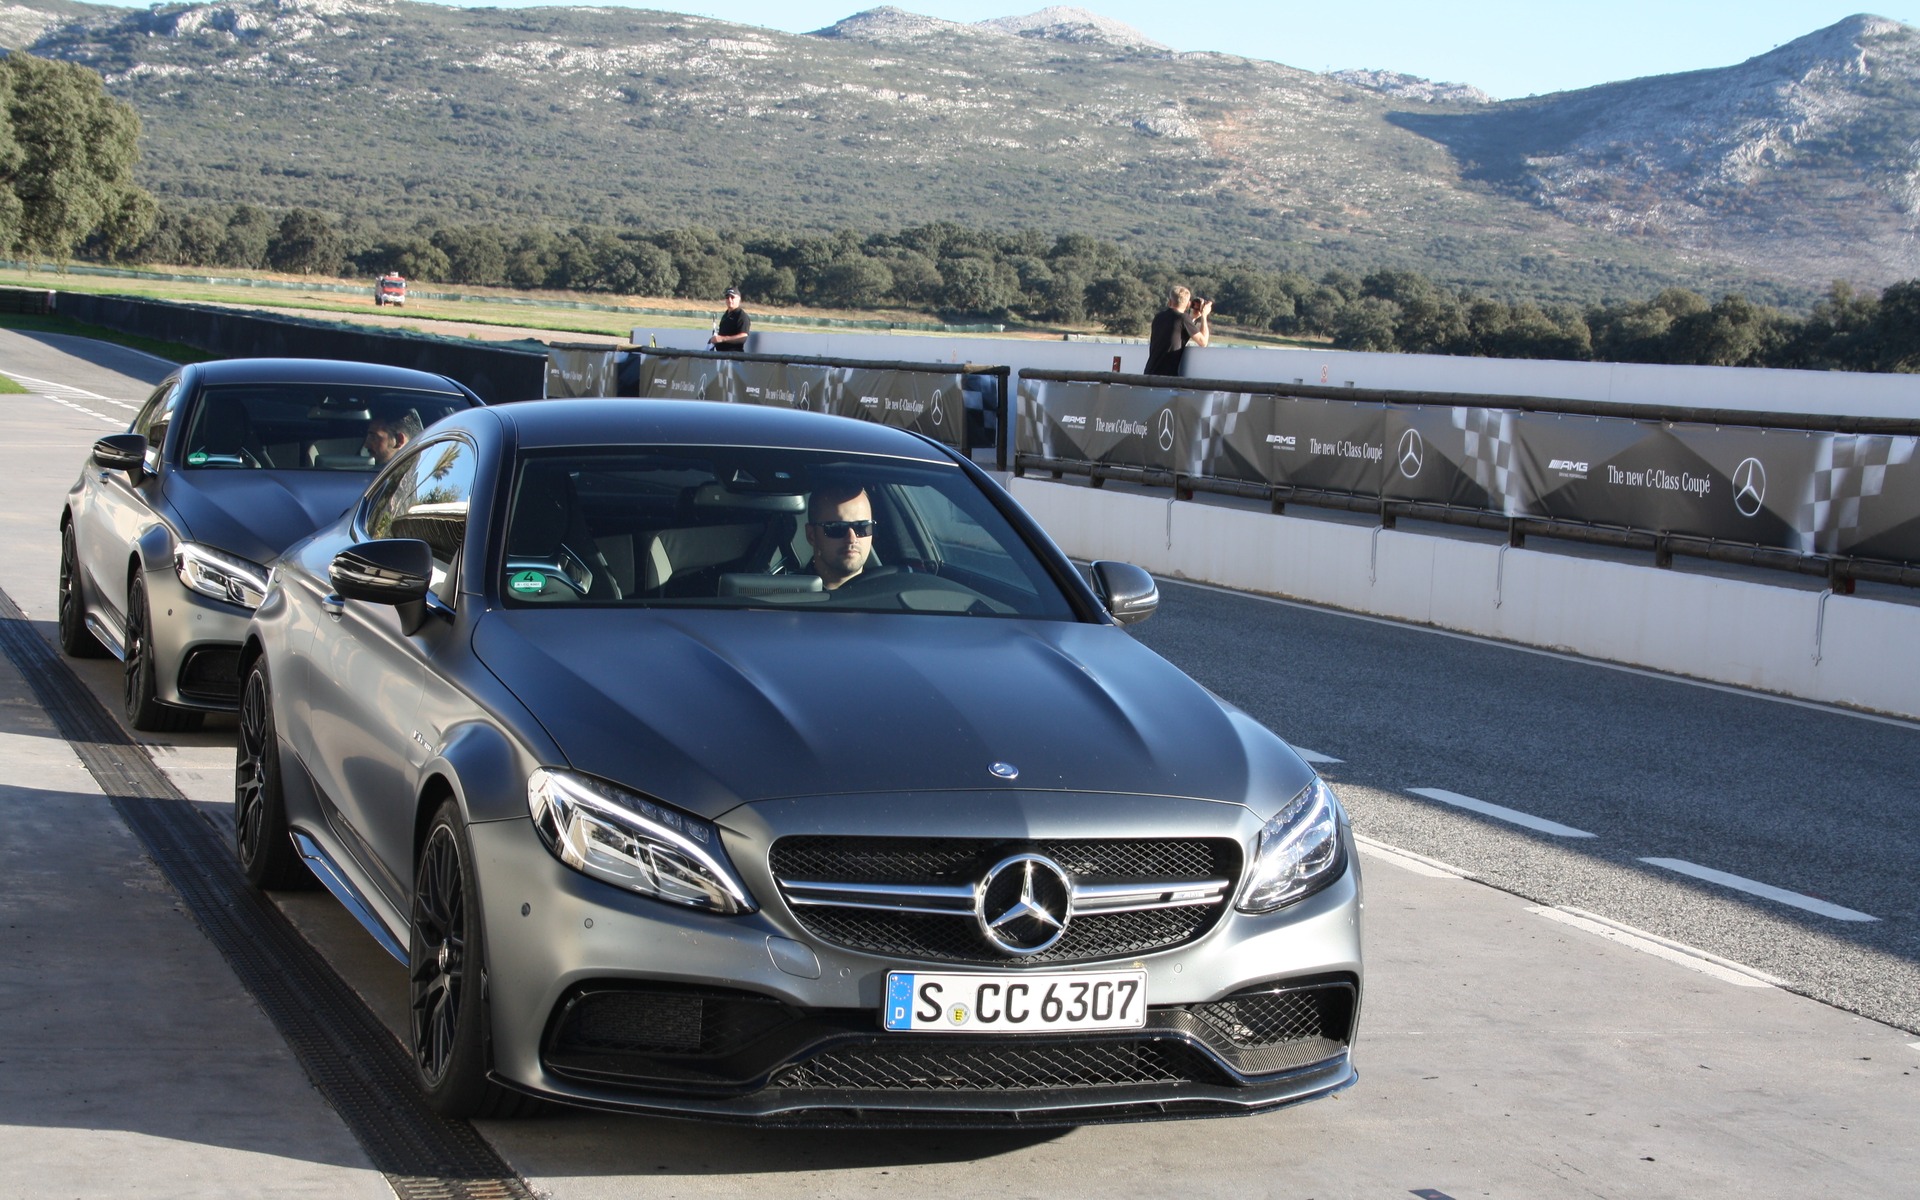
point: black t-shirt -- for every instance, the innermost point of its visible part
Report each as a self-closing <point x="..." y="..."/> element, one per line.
<point x="1167" y="343"/>
<point x="733" y="321"/>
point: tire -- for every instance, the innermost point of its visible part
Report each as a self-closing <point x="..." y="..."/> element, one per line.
<point x="144" y="710"/>
<point x="446" y="979"/>
<point x="261" y="839"/>
<point x="75" y="639"/>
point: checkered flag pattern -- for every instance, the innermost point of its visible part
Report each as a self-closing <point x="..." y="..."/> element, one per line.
<point x="1849" y="469"/>
<point x="1489" y="455"/>
<point x="1219" y="414"/>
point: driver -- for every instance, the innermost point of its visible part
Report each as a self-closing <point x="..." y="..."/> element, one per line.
<point x="386" y="435"/>
<point x="840" y="530"/>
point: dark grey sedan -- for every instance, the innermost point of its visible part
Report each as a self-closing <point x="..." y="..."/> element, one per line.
<point x="165" y="537"/>
<point x="734" y="762"/>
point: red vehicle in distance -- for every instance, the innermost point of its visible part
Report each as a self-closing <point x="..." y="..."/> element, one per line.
<point x="390" y="288"/>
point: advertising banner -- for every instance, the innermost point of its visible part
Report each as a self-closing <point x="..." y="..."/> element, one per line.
<point x="1809" y="492"/>
<point x="1323" y="445"/>
<point x="928" y="402"/>
<point x="582" y="371"/>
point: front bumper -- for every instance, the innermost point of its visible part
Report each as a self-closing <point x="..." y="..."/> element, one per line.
<point x="196" y="645"/>
<point x="612" y="1001"/>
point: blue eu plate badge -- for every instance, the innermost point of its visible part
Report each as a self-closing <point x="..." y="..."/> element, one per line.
<point x="899" y="1000"/>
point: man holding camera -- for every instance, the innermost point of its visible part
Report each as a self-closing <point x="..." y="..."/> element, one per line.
<point x="1184" y="321"/>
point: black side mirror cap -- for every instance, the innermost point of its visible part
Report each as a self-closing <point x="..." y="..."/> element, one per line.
<point x="389" y="571"/>
<point x="1129" y="593"/>
<point x="122" y="452"/>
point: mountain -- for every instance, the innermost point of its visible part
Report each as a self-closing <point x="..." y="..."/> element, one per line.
<point x="1782" y="172"/>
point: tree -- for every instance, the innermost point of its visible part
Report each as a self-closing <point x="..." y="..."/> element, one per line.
<point x="249" y="230"/>
<point x="474" y="253"/>
<point x="307" y="244"/>
<point x="67" y="151"/>
<point x="1366" y="324"/>
<point x="855" y="282"/>
<point x="1121" y="303"/>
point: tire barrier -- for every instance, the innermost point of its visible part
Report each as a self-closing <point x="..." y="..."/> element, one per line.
<point x="496" y="373"/>
<point x="958" y="404"/>
<point x="1825" y="495"/>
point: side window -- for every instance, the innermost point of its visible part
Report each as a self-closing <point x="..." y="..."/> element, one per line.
<point x="153" y="419"/>
<point x="426" y="497"/>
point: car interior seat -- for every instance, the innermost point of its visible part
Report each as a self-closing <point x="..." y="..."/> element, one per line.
<point x="548" y="526"/>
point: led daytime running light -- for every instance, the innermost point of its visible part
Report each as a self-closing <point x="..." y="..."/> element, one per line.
<point x="634" y="843"/>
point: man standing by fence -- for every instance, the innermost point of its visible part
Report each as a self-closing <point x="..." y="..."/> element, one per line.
<point x="730" y="332"/>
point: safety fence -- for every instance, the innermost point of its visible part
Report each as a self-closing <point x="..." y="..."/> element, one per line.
<point x="496" y="372"/>
<point x="1835" y="496"/>
<point x="958" y="404"/>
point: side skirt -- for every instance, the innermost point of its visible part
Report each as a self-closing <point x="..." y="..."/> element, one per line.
<point x="335" y="880"/>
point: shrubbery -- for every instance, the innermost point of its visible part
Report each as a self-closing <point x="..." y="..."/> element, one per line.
<point x="1071" y="280"/>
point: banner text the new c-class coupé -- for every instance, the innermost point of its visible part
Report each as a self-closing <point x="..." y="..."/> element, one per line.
<point x="734" y="762"/>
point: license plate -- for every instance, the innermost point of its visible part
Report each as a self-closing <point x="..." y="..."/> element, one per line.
<point x="1025" y="1003"/>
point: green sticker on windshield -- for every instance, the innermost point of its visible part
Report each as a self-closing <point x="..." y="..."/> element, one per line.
<point x="528" y="581"/>
<point x="197" y="458"/>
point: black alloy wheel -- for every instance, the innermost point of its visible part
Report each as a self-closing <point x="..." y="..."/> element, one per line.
<point x="261" y="839"/>
<point x="446" y="957"/>
<point x="144" y="709"/>
<point x="75" y="639"/>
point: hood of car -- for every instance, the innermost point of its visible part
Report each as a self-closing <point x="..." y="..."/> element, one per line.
<point x="257" y="514"/>
<point x="707" y="710"/>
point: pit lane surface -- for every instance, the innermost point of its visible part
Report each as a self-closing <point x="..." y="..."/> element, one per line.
<point x="1506" y="1047"/>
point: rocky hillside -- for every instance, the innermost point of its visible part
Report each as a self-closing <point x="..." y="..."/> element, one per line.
<point x="1798" y="166"/>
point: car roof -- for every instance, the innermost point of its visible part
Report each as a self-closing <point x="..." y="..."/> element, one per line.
<point x="604" y="421"/>
<point x="318" y="370"/>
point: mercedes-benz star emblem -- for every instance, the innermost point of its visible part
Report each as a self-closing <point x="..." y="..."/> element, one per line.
<point x="1413" y="453"/>
<point x="1749" y="487"/>
<point x="1023" y="904"/>
<point x="1166" y="430"/>
<point x="939" y="415"/>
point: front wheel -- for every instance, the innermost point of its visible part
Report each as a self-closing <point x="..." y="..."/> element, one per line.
<point x="446" y="979"/>
<point x="261" y="839"/>
<point x="75" y="639"/>
<point x="144" y="709"/>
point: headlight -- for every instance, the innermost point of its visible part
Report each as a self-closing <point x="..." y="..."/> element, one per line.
<point x="221" y="576"/>
<point x="1299" y="851"/>
<point x="633" y="843"/>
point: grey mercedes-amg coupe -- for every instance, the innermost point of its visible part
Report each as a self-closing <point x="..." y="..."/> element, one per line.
<point x="735" y="762"/>
<point x="165" y="535"/>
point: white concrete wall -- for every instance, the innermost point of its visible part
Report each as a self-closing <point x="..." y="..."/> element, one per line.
<point x="1859" y="652"/>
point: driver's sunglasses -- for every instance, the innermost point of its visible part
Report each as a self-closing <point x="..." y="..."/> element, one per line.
<point x="840" y="529"/>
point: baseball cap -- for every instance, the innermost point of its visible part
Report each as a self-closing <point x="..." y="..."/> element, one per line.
<point x="732" y="293"/>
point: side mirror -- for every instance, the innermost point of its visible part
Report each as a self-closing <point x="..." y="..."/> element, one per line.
<point x="389" y="571"/>
<point x="122" y="452"/>
<point x="1128" y="592"/>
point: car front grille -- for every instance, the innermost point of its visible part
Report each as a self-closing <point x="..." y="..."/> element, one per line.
<point x="821" y="878"/>
<point x="717" y="1041"/>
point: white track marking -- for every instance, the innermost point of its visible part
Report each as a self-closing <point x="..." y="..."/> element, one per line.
<point x="1763" y="890"/>
<point x="66" y="389"/>
<point x="1315" y="757"/>
<point x="1511" y="815"/>
<point x="1407" y="860"/>
<point x="116" y="422"/>
<point x="1723" y="969"/>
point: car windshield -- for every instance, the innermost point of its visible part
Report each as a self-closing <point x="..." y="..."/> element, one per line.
<point x="766" y="528"/>
<point x="306" y="426"/>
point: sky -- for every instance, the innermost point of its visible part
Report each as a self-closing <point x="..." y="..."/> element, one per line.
<point x="1508" y="48"/>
